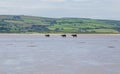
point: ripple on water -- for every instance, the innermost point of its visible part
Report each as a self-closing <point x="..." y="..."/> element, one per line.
<point x="111" y="47"/>
<point x="32" y="46"/>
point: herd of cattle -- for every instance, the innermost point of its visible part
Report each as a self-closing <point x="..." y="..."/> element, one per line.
<point x="63" y="35"/>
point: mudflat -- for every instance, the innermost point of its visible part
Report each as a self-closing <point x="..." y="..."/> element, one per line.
<point x="37" y="54"/>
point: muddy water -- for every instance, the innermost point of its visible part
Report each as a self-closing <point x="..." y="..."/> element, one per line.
<point x="36" y="54"/>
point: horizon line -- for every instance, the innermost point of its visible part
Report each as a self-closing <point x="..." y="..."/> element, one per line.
<point x="59" y="17"/>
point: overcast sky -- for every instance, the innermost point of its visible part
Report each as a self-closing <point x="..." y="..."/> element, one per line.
<point x="99" y="9"/>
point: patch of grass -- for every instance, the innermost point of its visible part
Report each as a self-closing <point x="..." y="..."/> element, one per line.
<point x="106" y="31"/>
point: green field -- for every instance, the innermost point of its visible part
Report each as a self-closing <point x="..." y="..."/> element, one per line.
<point x="31" y="24"/>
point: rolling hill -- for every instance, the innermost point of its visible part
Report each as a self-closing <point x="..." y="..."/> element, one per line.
<point x="32" y="24"/>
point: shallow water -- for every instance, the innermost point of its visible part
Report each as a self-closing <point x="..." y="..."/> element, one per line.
<point x="36" y="54"/>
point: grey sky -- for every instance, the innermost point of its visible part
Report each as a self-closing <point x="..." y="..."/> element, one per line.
<point x="100" y="9"/>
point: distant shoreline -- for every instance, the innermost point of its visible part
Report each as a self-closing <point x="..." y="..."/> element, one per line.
<point x="33" y="24"/>
<point x="54" y="34"/>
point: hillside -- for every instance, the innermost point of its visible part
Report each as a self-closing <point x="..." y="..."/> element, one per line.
<point x="26" y="24"/>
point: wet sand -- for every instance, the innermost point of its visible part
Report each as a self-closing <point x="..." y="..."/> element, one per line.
<point x="37" y="54"/>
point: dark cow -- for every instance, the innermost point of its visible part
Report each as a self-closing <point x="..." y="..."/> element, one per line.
<point x="63" y="35"/>
<point x="47" y="35"/>
<point x="74" y="35"/>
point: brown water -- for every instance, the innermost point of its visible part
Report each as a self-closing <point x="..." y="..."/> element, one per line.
<point x="36" y="54"/>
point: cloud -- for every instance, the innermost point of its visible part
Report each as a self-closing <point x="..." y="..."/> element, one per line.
<point x="108" y="9"/>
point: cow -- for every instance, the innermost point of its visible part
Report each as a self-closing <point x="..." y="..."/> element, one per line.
<point x="63" y="35"/>
<point x="47" y="35"/>
<point x="74" y="35"/>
